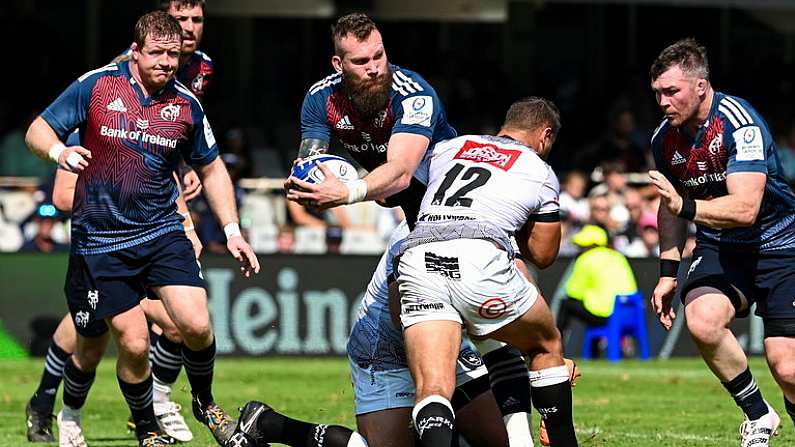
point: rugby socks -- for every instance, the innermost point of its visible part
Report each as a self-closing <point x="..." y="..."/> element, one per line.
<point x="139" y="399"/>
<point x="552" y="398"/>
<point x="278" y="428"/>
<point x="44" y="398"/>
<point x="199" y="369"/>
<point x="434" y="421"/>
<point x="166" y="364"/>
<point x="790" y="406"/>
<point x="76" y="384"/>
<point x="509" y="384"/>
<point x="747" y="395"/>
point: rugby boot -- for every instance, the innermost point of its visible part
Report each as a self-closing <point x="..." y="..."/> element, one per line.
<point x="154" y="439"/>
<point x="757" y="433"/>
<point x="39" y="424"/>
<point x="172" y="422"/>
<point x="70" y="432"/>
<point x="247" y="433"/>
<point x="215" y="418"/>
<point x="574" y="374"/>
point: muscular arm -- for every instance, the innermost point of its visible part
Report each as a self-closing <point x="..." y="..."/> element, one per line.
<point x="63" y="190"/>
<point x="219" y="191"/>
<point x="312" y="146"/>
<point x="737" y="209"/>
<point x="539" y="242"/>
<point x="404" y="153"/>
<point x="673" y="234"/>
<point x="40" y="138"/>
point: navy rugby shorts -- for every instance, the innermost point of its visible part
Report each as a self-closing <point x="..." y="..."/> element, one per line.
<point x="767" y="279"/>
<point x="101" y="286"/>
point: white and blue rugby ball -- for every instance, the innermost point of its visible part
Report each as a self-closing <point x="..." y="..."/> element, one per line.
<point x="309" y="171"/>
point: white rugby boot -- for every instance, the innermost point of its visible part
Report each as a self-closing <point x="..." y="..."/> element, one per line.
<point x="757" y="433"/>
<point x="70" y="432"/>
<point x="172" y="422"/>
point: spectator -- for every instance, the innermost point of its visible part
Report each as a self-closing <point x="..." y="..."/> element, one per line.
<point x="15" y="158"/>
<point x="619" y="145"/>
<point x="599" y="274"/>
<point x="45" y="219"/>
<point x="648" y="242"/>
<point x="573" y="205"/>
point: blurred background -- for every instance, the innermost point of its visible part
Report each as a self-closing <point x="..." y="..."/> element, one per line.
<point x="590" y="57"/>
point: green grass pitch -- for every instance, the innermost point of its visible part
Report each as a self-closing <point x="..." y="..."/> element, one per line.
<point x="632" y="404"/>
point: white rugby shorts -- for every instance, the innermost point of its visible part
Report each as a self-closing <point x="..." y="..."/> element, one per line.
<point x="470" y="281"/>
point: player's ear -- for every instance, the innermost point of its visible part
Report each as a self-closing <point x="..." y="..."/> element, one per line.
<point x="336" y="62"/>
<point x="701" y="86"/>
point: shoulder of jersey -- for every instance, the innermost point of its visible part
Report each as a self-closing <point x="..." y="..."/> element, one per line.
<point x="203" y="55"/>
<point x="185" y="91"/>
<point x="659" y="130"/>
<point x="110" y="69"/>
<point x="325" y="84"/>
<point x="406" y="82"/>
<point x="737" y="111"/>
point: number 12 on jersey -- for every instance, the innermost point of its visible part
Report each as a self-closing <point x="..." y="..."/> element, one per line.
<point x="478" y="176"/>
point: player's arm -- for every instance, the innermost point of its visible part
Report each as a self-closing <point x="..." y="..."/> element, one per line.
<point x="187" y="220"/>
<point x="219" y="191"/>
<point x="539" y="242"/>
<point x="45" y="144"/>
<point x="63" y="190"/>
<point x="673" y="234"/>
<point x="739" y="207"/>
<point x="312" y="146"/>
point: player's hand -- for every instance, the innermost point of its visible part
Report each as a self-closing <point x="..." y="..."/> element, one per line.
<point x="661" y="301"/>
<point x="329" y="193"/>
<point x="191" y="185"/>
<point x="288" y="184"/>
<point x="195" y="242"/>
<point x="244" y="254"/>
<point x="74" y="159"/>
<point x="670" y="197"/>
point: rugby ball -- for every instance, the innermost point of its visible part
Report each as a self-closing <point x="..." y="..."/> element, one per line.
<point x="308" y="170"/>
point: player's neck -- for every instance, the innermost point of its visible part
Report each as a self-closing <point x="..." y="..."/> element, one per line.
<point x="703" y="113"/>
<point x="148" y="90"/>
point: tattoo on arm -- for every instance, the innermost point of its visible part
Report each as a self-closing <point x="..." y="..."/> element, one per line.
<point x="312" y="146"/>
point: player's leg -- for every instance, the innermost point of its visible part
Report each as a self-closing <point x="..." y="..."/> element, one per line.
<point x="40" y="409"/>
<point x="478" y="417"/>
<point x="780" y="353"/>
<point x="535" y="334"/>
<point x="166" y="361"/>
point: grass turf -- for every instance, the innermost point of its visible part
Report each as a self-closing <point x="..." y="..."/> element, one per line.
<point x="632" y="404"/>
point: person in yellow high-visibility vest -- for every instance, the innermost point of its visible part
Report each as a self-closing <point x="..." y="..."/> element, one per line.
<point x="599" y="274"/>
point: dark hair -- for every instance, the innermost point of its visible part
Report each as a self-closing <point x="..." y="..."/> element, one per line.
<point x="688" y="54"/>
<point x="532" y="112"/>
<point x="156" y="24"/>
<point x="165" y="5"/>
<point x="357" y="24"/>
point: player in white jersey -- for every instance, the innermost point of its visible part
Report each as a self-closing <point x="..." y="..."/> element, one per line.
<point x="456" y="267"/>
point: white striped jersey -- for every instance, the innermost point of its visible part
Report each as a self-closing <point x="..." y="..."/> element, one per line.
<point x="489" y="179"/>
<point x="734" y="138"/>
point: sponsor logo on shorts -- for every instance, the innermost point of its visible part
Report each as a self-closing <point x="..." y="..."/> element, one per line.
<point x="93" y="298"/>
<point x="471" y="359"/>
<point x="422" y="307"/>
<point x="493" y="308"/>
<point x="442" y="265"/>
<point x="693" y="265"/>
<point x="403" y="394"/>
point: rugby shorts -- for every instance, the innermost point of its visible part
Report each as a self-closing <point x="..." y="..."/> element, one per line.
<point x="107" y="284"/>
<point x="767" y="279"/>
<point x="377" y="390"/>
<point x="470" y="281"/>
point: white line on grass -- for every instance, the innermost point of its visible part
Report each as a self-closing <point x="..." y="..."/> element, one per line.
<point x="658" y="436"/>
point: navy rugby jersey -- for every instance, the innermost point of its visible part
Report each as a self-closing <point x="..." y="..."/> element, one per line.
<point x="126" y="195"/>
<point x="734" y="138"/>
<point x="195" y="74"/>
<point x="413" y="107"/>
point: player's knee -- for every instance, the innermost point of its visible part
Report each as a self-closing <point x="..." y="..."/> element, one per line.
<point x="135" y="347"/>
<point x="434" y="389"/>
<point x="172" y="333"/>
<point x="704" y="324"/>
<point x="781" y="365"/>
<point x="195" y="330"/>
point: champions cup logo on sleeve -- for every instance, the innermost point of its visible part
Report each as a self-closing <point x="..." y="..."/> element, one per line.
<point x="417" y="110"/>
<point x="197" y="83"/>
<point x="488" y="153"/>
<point x="170" y="112"/>
<point x="748" y="141"/>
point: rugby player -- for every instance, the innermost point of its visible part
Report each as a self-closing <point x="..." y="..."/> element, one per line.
<point x="126" y="232"/>
<point x="387" y="117"/>
<point x="717" y="166"/>
<point x="456" y="267"/>
<point x="195" y="72"/>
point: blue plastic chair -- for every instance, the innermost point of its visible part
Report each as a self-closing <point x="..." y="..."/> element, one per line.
<point x="628" y="318"/>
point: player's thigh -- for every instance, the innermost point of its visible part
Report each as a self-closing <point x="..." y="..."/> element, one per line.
<point x="719" y="286"/>
<point x="780" y="354"/>
<point x="131" y="332"/>
<point x="387" y="428"/>
<point x="480" y="422"/>
<point x="534" y="332"/>
<point x="432" y="349"/>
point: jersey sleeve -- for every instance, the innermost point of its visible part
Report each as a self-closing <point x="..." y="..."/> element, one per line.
<point x="70" y="109"/>
<point x="416" y="108"/>
<point x="313" y="117"/>
<point x="548" y="199"/>
<point x="748" y="139"/>
<point x="201" y="148"/>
